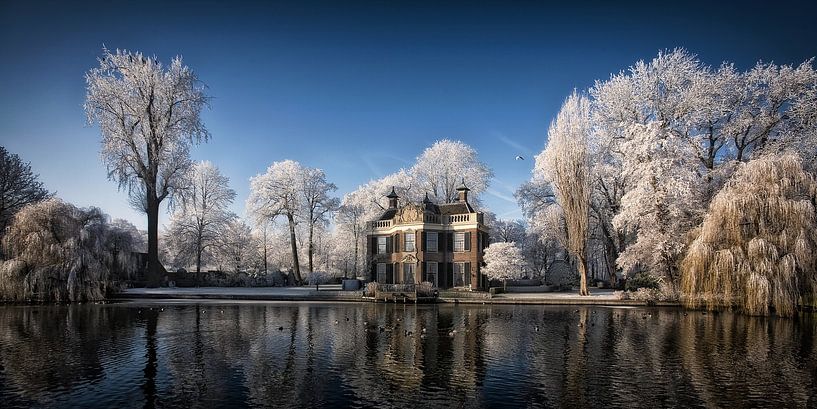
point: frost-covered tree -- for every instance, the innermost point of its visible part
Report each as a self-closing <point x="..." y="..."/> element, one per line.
<point x="663" y="202"/>
<point x="757" y="246"/>
<point x="349" y="221"/>
<point x="201" y="216"/>
<point x="280" y="193"/>
<point x="442" y="167"/>
<point x="507" y="231"/>
<point x="19" y="186"/>
<point x="237" y="250"/>
<point x="134" y="236"/>
<point x="58" y="252"/>
<point x="317" y="203"/>
<point x="503" y="261"/>
<point x="371" y="197"/>
<point x="565" y="164"/>
<point x="671" y="131"/>
<point x="149" y="116"/>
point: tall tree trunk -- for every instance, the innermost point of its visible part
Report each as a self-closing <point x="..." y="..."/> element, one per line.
<point x="354" y="267"/>
<point x="265" y="249"/>
<point x="311" y="234"/>
<point x="581" y="265"/>
<point x="295" y="263"/>
<point x="154" y="266"/>
<point x="198" y="265"/>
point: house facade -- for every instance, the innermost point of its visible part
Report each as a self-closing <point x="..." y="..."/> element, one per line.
<point x="441" y="244"/>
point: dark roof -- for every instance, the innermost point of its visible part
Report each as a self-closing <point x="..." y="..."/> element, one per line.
<point x="462" y="186"/>
<point x="455" y="208"/>
<point x="388" y="214"/>
<point x="393" y="194"/>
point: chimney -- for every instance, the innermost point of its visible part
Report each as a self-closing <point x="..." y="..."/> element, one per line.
<point x="427" y="203"/>
<point x="462" y="192"/>
<point x="392" y="199"/>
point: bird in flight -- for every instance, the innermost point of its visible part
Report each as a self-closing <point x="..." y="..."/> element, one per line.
<point x="518" y="157"/>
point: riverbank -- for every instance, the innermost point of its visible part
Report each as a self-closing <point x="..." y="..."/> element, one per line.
<point x="334" y="293"/>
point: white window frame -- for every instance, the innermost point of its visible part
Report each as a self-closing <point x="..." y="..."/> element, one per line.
<point x="406" y="241"/>
<point x="436" y="242"/>
<point x="381" y="244"/>
<point x="459" y="241"/>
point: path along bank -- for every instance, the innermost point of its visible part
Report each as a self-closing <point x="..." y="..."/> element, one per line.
<point x="334" y="293"/>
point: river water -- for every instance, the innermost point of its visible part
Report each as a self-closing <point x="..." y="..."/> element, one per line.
<point x="182" y="354"/>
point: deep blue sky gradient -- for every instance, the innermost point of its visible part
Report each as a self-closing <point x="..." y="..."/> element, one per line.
<point x="358" y="89"/>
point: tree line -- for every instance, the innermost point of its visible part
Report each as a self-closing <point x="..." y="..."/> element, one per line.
<point x="700" y="177"/>
<point x="696" y="178"/>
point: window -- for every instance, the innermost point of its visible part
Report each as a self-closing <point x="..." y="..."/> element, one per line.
<point x="431" y="242"/>
<point x="408" y="273"/>
<point x="409" y="242"/>
<point x="381" y="273"/>
<point x="459" y="274"/>
<point x="381" y="245"/>
<point x="459" y="241"/>
<point x="431" y="272"/>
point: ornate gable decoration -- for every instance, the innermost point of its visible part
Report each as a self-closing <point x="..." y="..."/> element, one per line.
<point x="410" y="213"/>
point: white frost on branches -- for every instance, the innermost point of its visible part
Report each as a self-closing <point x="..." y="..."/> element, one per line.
<point x="202" y="216"/>
<point x="149" y="115"/>
<point x="504" y="261"/>
<point x="441" y="168"/>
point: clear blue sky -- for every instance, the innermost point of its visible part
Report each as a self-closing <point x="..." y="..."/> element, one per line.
<point x="358" y="89"/>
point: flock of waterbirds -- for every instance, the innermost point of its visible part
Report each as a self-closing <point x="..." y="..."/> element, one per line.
<point x="451" y="332"/>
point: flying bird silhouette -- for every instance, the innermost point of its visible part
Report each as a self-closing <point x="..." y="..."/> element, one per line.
<point x="518" y="157"/>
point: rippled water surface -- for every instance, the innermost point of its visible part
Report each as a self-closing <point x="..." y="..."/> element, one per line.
<point x="171" y="354"/>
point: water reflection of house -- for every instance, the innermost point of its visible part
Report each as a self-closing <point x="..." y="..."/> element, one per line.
<point x="442" y="244"/>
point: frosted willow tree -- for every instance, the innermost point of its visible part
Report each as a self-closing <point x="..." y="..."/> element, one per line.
<point x="757" y="247"/>
<point x="59" y="252"/>
<point x="149" y="116"/>
<point x="442" y="167"/>
<point x="503" y="261"/>
<point x="317" y="203"/>
<point x="565" y="165"/>
<point x="18" y="187"/>
<point x="202" y="215"/>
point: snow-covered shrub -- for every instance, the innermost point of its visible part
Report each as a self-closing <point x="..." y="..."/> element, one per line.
<point x="371" y="289"/>
<point x="643" y="280"/>
<point x="425" y="289"/>
<point x="317" y="277"/>
<point x="621" y="295"/>
<point x="665" y="293"/>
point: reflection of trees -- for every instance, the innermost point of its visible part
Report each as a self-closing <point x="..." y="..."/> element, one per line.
<point x="235" y="355"/>
<point x="149" y="386"/>
<point x="48" y="348"/>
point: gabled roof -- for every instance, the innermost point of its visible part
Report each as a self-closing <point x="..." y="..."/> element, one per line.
<point x="388" y="214"/>
<point x="455" y="208"/>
